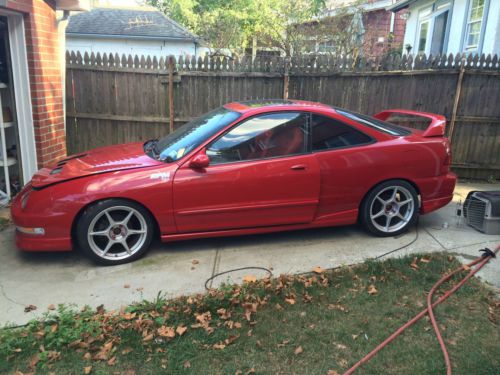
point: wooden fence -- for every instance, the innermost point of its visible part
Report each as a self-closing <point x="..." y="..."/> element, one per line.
<point x="112" y="99"/>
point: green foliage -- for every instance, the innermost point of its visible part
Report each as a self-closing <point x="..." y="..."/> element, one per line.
<point x="232" y="25"/>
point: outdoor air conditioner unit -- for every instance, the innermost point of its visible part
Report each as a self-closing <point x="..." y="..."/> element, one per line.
<point x="482" y="211"/>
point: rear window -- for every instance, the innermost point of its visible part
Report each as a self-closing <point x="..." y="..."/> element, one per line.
<point x="382" y="126"/>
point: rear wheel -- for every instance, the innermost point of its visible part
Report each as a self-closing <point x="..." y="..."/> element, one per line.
<point x="115" y="231"/>
<point x="390" y="208"/>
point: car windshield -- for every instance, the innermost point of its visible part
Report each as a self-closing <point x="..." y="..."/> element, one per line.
<point x="189" y="136"/>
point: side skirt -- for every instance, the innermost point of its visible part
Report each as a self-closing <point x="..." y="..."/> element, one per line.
<point x="341" y="218"/>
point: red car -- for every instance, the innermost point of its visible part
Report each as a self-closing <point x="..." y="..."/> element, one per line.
<point x="247" y="167"/>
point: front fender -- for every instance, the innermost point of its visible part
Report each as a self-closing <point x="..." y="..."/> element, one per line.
<point x="57" y="206"/>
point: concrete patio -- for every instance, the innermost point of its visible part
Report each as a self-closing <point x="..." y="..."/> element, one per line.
<point x="183" y="267"/>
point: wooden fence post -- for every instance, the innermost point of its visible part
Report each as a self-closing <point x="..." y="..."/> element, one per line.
<point x="286" y="78"/>
<point x="171" y="92"/>
<point x="456" y="100"/>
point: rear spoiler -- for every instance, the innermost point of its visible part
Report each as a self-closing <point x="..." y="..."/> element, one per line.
<point x="435" y="129"/>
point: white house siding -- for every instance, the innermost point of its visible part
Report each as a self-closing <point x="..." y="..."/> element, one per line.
<point x="146" y="47"/>
<point x="456" y="36"/>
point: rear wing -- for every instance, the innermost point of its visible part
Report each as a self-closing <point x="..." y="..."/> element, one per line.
<point x="435" y="129"/>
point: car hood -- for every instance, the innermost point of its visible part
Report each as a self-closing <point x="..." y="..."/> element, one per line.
<point x="100" y="160"/>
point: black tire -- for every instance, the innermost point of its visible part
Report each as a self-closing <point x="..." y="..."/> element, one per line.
<point x="125" y="226"/>
<point x="401" y="216"/>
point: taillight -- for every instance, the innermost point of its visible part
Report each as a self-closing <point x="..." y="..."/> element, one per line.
<point x="447" y="158"/>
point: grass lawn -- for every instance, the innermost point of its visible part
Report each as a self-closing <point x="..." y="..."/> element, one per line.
<point x="321" y="323"/>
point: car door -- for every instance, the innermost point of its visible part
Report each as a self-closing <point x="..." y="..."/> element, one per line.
<point x="348" y="162"/>
<point x="260" y="174"/>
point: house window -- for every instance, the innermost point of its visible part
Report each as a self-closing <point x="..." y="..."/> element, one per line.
<point x="474" y="23"/>
<point x="422" y="38"/>
<point x="433" y="28"/>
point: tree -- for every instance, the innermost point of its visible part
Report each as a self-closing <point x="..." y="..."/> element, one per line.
<point x="289" y="26"/>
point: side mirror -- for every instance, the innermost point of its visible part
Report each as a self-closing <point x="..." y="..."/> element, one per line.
<point x="200" y="161"/>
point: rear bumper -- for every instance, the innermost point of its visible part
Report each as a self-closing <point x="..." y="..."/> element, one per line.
<point x="438" y="192"/>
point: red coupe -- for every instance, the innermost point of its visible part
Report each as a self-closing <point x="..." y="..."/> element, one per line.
<point x="247" y="167"/>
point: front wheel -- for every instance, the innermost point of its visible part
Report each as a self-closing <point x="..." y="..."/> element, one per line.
<point x="390" y="208"/>
<point x="115" y="231"/>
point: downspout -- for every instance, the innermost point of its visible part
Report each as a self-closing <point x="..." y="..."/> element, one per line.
<point x="62" y="23"/>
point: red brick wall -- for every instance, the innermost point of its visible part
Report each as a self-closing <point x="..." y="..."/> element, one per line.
<point x="44" y="62"/>
<point x="378" y="24"/>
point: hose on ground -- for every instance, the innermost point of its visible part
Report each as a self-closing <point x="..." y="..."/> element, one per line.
<point x="480" y="262"/>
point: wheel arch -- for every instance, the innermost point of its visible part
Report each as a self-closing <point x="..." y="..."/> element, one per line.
<point x="412" y="183"/>
<point x="89" y="204"/>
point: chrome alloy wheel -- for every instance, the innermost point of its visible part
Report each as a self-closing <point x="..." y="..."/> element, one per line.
<point x="117" y="233"/>
<point x="392" y="209"/>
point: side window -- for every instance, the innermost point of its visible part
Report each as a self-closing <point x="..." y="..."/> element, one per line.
<point x="328" y="133"/>
<point x="260" y="137"/>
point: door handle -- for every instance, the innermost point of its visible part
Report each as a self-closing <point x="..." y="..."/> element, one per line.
<point x="299" y="167"/>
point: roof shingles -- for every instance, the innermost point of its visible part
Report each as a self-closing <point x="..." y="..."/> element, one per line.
<point x="127" y="22"/>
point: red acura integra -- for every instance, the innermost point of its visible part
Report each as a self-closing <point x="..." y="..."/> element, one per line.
<point x="247" y="167"/>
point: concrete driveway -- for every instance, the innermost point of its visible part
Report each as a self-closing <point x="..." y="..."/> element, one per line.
<point x="182" y="268"/>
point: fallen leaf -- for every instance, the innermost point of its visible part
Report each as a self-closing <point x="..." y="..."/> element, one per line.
<point x="51" y="307"/>
<point x="219" y="346"/>
<point x="341" y="346"/>
<point x="148" y="337"/>
<point x="298" y="350"/>
<point x="87" y="356"/>
<point x="187" y="364"/>
<point x="237" y="325"/>
<point x="414" y="264"/>
<point x="283" y="343"/>
<point x="195" y="261"/>
<point x="249" y="279"/>
<point x="290" y="299"/>
<point x="34" y="360"/>
<point x="372" y="290"/>
<point x="318" y="270"/>
<point x="181" y="330"/>
<point x="126" y="286"/>
<point x="425" y="260"/>
<point x="53" y="328"/>
<point x="129" y="316"/>
<point x="251" y="371"/>
<point x="112" y="361"/>
<point x="332" y="372"/>
<point x="166" y="332"/>
<point x="87" y="370"/>
<point x="29" y="308"/>
<point x="126" y="351"/>
<point x="231" y="339"/>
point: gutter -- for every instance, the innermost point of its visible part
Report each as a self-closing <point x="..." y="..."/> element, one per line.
<point x="402" y="4"/>
<point x="143" y="37"/>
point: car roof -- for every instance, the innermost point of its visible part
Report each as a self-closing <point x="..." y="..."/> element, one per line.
<point x="290" y="104"/>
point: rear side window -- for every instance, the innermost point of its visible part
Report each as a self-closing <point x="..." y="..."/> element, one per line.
<point x="328" y="133"/>
<point x="382" y="126"/>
